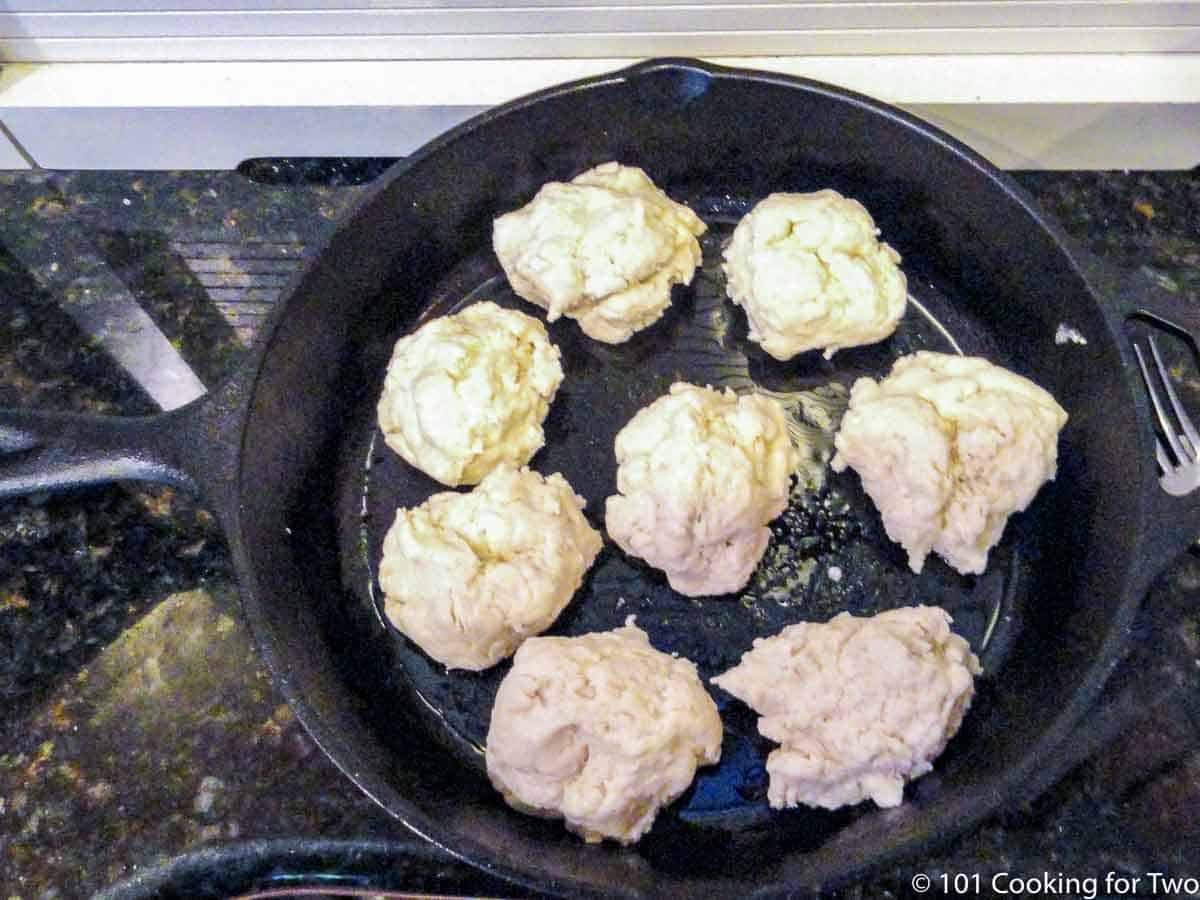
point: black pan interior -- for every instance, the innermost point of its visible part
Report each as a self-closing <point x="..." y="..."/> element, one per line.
<point x="828" y="551"/>
<point x="319" y="489"/>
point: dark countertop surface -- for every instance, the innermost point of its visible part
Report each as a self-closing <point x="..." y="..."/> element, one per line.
<point x="137" y="723"/>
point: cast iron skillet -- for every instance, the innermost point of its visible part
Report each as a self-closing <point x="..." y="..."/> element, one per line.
<point x="286" y="454"/>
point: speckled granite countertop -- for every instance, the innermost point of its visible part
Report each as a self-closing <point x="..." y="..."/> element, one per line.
<point x="137" y="724"/>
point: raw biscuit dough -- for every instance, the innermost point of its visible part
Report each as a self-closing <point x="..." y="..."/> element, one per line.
<point x="469" y="576"/>
<point x="947" y="448"/>
<point x="858" y="705"/>
<point x="603" y="249"/>
<point x="811" y="273"/>
<point x="700" y="474"/>
<point x="602" y="729"/>
<point x="467" y="392"/>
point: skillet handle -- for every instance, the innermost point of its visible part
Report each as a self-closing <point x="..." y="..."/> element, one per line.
<point x="1144" y="299"/>
<point x="1173" y="523"/>
<point x="194" y="448"/>
<point x="1156" y="674"/>
<point x="45" y="451"/>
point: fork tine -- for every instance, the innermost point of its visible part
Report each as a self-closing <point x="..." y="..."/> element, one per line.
<point x="1160" y="453"/>
<point x="1168" y="429"/>
<point x="1193" y="438"/>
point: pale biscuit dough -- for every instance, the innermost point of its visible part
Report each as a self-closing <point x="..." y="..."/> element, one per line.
<point x="700" y="474"/>
<point x="947" y="448"/>
<point x="811" y="273"/>
<point x="603" y="249"/>
<point x="467" y="392"/>
<point x="469" y="576"/>
<point x="602" y="730"/>
<point x="859" y="706"/>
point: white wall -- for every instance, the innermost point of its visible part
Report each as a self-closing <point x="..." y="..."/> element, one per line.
<point x="207" y="83"/>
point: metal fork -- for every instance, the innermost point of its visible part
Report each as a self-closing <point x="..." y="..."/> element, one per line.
<point x="1181" y="463"/>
